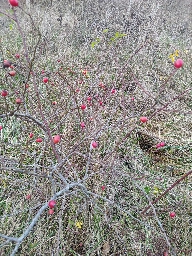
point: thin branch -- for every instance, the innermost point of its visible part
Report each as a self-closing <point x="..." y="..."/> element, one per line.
<point x="154" y="212"/>
<point x="7" y="15"/>
<point x="9" y="238"/>
<point x="167" y="190"/>
<point x="24" y="116"/>
<point x="13" y="169"/>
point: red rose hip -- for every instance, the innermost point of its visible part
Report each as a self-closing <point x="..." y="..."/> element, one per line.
<point x="52" y="204"/>
<point x="18" y="101"/>
<point x="143" y="119"/>
<point x="4" y="93"/>
<point x="172" y="214"/>
<point x="39" y="140"/>
<point x="45" y="80"/>
<point x="94" y="144"/>
<point x="178" y="63"/>
<point x="14" y="3"/>
<point x="56" y="139"/>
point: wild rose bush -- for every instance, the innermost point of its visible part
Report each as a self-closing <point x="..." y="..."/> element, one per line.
<point x="95" y="154"/>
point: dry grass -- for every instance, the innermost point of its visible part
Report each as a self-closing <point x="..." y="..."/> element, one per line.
<point x="133" y="175"/>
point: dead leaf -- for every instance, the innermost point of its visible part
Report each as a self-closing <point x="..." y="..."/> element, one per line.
<point x="106" y="248"/>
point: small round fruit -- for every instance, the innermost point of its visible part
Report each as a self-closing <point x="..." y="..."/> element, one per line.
<point x="6" y="63"/>
<point x="82" y="125"/>
<point x="143" y="119"/>
<point x="83" y="107"/>
<point x="51" y="211"/>
<point x="54" y="102"/>
<point x="113" y="91"/>
<point x="28" y="197"/>
<point x="84" y="72"/>
<point x="56" y="139"/>
<point x="172" y="214"/>
<point x="178" y="63"/>
<point x="103" y="187"/>
<point x="4" y="93"/>
<point x="18" y="101"/>
<point x="17" y="56"/>
<point x="158" y="145"/>
<point x="12" y="73"/>
<point x="14" y="3"/>
<point x="52" y="204"/>
<point x="31" y="135"/>
<point x="162" y="143"/>
<point x="1" y="127"/>
<point x="45" y="80"/>
<point x="39" y="140"/>
<point x="94" y="144"/>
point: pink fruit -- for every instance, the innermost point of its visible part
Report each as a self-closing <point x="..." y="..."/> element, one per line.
<point x="101" y="85"/>
<point x="113" y="91"/>
<point x="13" y="3"/>
<point x="31" y="135"/>
<point x="103" y="187"/>
<point x="1" y="127"/>
<point x="172" y="214"/>
<point x="100" y="103"/>
<point x="56" y="139"/>
<point x="89" y="99"/>
<point x="51" y="211"/>
<point x="6" y="63"/>
<point x="12" y="73"/>
<point x="52" y="204"/>
<point x="54" y="102"/>
<point x="43" y="71"/>
<point x="84" y="72"/>
<point x="165" y="253"/>
<point x="143" y="119"/>
<point x="82" y="125"/>
<point x="28" y="197"/>
<point x="45" y="80"/>
<point x="162" y="144"/>
<point x="83" y="107"/>
<point x="12" y="67"/>
<point x="178" y="63"/>
<point x="18" y="101"/>
<point x="17" y="56"/>
<point x="26" y="86"/>
<point x="94" y="144"/>
<point x="4" y="93"/>
<point x="39" y="140"/>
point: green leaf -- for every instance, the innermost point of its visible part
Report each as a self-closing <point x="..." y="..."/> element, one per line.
<point x="147" y="189"/>
<point x="105" y="30"/>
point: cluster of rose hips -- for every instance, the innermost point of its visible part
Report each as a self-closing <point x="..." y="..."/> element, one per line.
<point x="56" y="138"/>
<point x="160" y="145"/>
<point x="51" y="205"/>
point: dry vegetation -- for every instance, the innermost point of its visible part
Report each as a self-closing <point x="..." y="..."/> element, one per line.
<point x="125" y="45"/>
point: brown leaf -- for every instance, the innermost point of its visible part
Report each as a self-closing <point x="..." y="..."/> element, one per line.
<point x="106" y="248"/>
